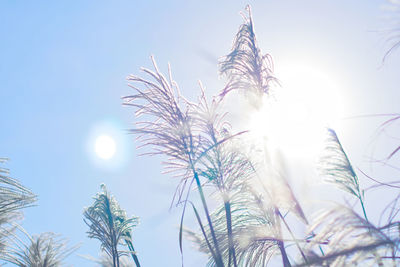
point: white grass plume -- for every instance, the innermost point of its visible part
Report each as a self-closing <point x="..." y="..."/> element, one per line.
<point x="109" y="224"/>
<point x="44" y="250"/>
<point x="336" y="168"/>
<point x="245" y="67"/>
<point x="348" y="240"/>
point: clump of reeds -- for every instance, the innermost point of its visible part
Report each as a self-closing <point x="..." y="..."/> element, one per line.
<point x="255" y="203"/>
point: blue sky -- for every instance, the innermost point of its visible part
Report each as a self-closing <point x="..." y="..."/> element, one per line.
<point x="63" y="66"/>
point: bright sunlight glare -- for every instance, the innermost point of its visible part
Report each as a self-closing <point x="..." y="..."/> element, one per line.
<point x="105" y="147"/>
<point x="295" y="121"/>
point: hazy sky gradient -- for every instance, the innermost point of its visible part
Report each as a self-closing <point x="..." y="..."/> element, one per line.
<point x="63" y="66"/>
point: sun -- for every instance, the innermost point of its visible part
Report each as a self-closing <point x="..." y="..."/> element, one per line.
<point x="295" y="120"/>
<point x="105" y="147"/>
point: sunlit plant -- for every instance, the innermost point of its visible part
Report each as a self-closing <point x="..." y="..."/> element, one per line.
<point x="257" y="212"/>
<point x="109" y="224"/>
<point x="17" y="246"/>
<point x="44" y="250"/>
<point x="13" y="198"/>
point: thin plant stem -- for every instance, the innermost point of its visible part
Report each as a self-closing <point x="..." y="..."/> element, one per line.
<point x="363" y="209"/>
<point x="291" y="233"/>
<point x="134" y="257"/>
<point x="281" y="245"/>
<point x="227" y="206"/>
<point x="380" y="263"/>
<point x="203" y="231"/>
<point x="115" y="252"/>
<point x="219" y="261"/>
<point x="285" y="259"/>
<point x="355" y="179"/>
<point x="230" y="234"/>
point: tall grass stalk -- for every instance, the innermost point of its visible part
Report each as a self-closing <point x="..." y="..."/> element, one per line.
<point x="186" y="136"/>
<point x="109" y="224"/>
<point x="336" y="167"/>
